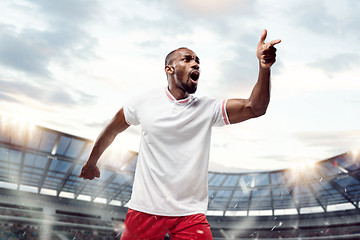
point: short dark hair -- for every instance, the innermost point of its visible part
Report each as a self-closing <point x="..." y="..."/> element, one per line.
<point x="168" y="59"/>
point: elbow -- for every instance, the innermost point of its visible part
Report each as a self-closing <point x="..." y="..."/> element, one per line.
<point x="258" y="112"/>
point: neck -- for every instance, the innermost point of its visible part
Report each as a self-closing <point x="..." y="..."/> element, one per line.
<point x="177" y="93"/>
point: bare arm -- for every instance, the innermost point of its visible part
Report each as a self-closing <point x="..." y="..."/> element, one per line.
<point x="239" y="110"/>
<point x="106" y="137"/>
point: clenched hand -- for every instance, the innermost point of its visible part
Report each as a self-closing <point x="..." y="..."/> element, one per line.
<point x="266" y="52"/>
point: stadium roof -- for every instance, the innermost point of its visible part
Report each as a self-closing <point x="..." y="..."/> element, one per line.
<point x="45" y="161"/>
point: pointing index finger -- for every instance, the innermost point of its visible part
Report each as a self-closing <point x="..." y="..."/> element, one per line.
<point x="273" y="42"/>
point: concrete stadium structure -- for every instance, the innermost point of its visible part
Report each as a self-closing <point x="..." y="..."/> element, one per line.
<point x="42" y="197"/>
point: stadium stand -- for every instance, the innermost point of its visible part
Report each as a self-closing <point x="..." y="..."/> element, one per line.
<point x="41" y="196"/>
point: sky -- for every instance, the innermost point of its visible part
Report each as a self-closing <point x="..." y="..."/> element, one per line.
<point x="70" y="66"/>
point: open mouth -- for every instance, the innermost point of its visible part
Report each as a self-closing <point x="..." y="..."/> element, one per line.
<point x="194" y="76"/>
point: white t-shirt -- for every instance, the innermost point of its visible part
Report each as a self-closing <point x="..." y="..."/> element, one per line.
<point x="171" y="176"/>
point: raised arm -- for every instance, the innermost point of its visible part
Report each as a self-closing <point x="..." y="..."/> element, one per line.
<point x="106" y="137"/>
<point x="239" y="110"/>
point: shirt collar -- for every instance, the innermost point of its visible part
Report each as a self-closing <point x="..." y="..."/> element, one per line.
<point x="173" y="99"/>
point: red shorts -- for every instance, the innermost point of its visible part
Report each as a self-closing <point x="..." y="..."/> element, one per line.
<point x="143" y="226"/>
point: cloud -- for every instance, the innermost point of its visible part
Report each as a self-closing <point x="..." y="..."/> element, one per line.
<point x="337" y="63"/>
<point x="241" y="69"/>
<point x="314" y="16"/>
<point x="150" y="44"/>
<point x="97" y="124"/>
<point x="240" y="65"/>
<point x="325" y="18"/>
<point x="6" y="97"/>
<point x="76" y="12"/>
<point x="61" y="97"/>
<point x="47" y="95"/>
<point x="216" y="9"/>
<point x="173" y="21"/>
<point x="335" y="142"/>
<point x="21" y="52"/>
<point x="9" y="88"/>
<point x="353" y="19"/>
<point x="84" y="98"/>
<point x="59" y="39"/>
<point x="166" y="26"/>
<point x="179" y="18"/>
<point x="31" y="50"/>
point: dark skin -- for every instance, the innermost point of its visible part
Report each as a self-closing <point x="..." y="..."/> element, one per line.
<point x="243" y="109"/>
<point x="182" y="75"/>
<point x="106" y="137"/>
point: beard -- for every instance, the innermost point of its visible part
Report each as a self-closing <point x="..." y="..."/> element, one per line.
<point x="187" y="86"/>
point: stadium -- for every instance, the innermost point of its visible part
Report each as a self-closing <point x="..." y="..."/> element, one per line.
<point x="43" y="198"/>
<point x="66" y="67"/>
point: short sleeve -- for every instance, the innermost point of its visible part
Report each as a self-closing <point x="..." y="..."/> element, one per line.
<point x="130" y="113"/>
<point x="220" y="117"/>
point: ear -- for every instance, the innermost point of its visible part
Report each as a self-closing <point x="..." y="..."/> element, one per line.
<point x="169" y="69"/>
